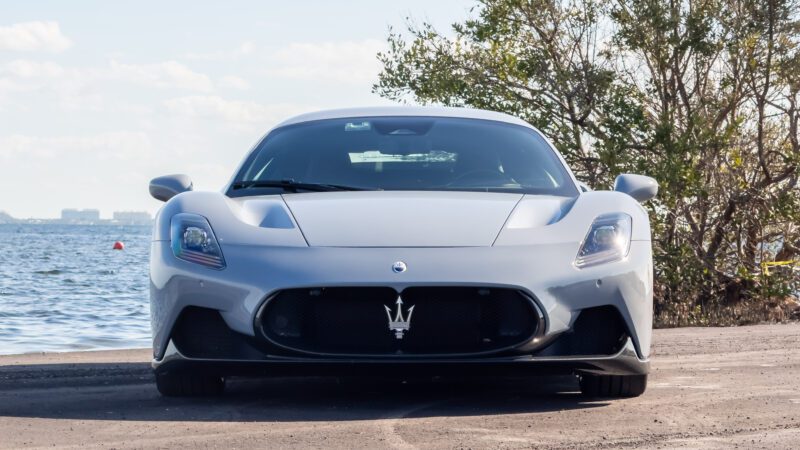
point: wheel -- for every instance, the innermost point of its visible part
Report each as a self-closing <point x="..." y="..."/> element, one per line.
<point x="189" y="385"/>
<point x="613" y="385"/>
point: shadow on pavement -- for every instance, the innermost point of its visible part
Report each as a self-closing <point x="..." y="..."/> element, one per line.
<point x="125" y="391"/>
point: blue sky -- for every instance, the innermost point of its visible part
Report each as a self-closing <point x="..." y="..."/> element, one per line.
<point x="97" y="98"/>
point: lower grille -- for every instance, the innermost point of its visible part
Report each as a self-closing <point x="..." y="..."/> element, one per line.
<point x="356" y="321"/>
<point x="202" y="333"/>
<point x="597" y="331"/>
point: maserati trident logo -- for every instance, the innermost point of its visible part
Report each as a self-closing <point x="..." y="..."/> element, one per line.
<point x="399" y="324"/>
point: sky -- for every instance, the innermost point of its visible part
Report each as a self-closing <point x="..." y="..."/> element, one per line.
<point x="97" y="98"/>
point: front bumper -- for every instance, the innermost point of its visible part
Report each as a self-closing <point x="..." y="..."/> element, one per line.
<point x="544" y="272"/>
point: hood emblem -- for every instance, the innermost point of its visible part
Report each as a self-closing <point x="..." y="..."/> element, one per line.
<point x="399" y="267"/>
<point x="399" y="324"/>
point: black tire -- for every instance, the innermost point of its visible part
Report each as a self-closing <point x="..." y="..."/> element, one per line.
<point x="613" y="386"/>
<point x="189" y="385"/>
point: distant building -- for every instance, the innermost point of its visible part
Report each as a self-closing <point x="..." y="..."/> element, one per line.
<point x="132" y="218"/>
<point x="82" y="216"/>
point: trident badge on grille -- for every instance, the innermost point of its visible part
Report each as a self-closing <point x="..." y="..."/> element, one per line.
<point x="399" y="325"/>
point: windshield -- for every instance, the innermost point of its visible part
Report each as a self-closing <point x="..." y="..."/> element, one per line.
<point x="403" y="153"/>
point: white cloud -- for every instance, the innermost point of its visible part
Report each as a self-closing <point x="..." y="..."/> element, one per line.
<point x="30" y="69"/>
<point x="246" y="48"/>
<point x="234" y="82"/>
<point x="33" y="36"/>
<point x="169" y="74"/>
<point x="23" y="82"/>
<point x="119" y="145"/>
<point x="339" y="62"/>
<point x="88" y="88"/>
<point x="232" y="111"/>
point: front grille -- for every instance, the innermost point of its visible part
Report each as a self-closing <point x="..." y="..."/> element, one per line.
<point x="354" y="320"/>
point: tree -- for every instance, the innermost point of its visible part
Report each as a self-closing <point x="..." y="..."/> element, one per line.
<point x="700" y="94"/>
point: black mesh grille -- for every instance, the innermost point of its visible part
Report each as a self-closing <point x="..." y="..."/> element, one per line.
<point x="354" y="321"/>
<point x="202" y="333"/>
<point x="597" y="331"/>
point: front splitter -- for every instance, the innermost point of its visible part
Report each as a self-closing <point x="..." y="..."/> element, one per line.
<point x="624" y="362"/>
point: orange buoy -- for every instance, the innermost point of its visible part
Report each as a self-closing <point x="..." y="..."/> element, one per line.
<point x="119" y="246"/>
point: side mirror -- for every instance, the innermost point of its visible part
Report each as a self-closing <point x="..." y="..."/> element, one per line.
<point x="640" y="187"/>
<point x="168" y="186"/>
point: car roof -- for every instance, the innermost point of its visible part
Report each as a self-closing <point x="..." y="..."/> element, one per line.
<point x="394" y="111"/>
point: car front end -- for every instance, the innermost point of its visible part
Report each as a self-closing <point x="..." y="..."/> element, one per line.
<point x="283" y="281"/>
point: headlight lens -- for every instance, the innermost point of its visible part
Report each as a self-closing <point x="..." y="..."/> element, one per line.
<point x="609" y="239"/>
<point x="194" y="241"/>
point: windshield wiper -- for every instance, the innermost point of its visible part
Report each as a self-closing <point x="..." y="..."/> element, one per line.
<point x="294" y="186"/>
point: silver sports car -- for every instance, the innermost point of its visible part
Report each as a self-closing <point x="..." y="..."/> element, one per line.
<point x="428" y="241"/>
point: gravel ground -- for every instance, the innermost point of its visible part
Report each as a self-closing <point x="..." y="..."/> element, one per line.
<point x="709" y="388"/>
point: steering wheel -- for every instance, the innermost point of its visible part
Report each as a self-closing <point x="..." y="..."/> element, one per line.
<point x="482" y="175"/>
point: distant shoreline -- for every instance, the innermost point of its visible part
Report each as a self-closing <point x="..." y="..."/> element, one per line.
<point x="82" y="217"/>
<point x="101" y="222"/>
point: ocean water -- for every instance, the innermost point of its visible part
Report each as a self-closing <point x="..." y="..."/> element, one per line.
<point x="63" y="288"/>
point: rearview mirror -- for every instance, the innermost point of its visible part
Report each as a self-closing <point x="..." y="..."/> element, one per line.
<point x="640" y="187"/>
<point x="168" y="186"/>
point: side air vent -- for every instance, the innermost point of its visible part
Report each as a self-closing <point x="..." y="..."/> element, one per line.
<point x="596" y="331"/>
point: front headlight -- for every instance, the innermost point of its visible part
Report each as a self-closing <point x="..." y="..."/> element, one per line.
<point x="609" y="239"/>
<point x="194" y="241"/>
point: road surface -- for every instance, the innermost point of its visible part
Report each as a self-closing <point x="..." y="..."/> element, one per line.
<point x="710" y="388"/>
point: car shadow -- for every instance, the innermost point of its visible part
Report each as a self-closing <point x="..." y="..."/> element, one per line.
<point x="125" y="391"/>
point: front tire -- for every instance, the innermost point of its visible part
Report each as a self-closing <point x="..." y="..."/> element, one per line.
<point x="189" y="385"/>
<point x="613" y="386"/>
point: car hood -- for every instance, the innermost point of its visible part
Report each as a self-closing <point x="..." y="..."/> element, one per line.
<point x="400" y="219"/>
<point x="408" y="219"/>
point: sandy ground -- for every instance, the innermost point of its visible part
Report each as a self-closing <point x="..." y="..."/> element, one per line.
<point x="710" y="388"/>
